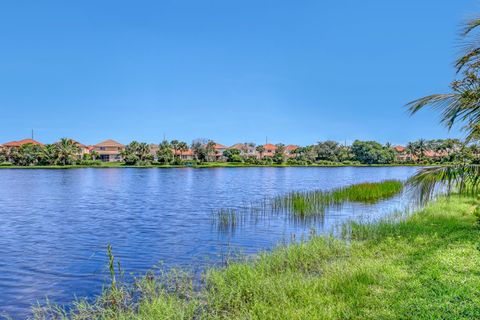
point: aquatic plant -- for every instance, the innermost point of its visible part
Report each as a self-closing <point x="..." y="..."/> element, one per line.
<point x="307" y="203"/>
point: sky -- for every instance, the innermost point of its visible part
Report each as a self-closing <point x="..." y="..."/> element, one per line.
<point x="232" y="71"/>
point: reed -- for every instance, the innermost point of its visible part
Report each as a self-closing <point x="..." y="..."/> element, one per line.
<point x="307" y="203"/>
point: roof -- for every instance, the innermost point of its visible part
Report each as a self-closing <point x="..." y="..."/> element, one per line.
<point x="21" y="143"/>
<point x="109" y="143"/>
<point x="291" y="147"/>
<point x="189" y="152"/>
<point x="240" y="146"/>
<point x="269" y="146"/>
<point x="399" y="148"/>
<point x="220" y="146"/>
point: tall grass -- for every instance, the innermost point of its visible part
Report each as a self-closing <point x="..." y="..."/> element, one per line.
<point x="308" y="203"/>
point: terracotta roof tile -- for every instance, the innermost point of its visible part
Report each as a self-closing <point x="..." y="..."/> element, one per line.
<point x="22" y="142"/>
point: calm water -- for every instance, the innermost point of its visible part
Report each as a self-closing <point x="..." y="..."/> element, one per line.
<point x="55" y="224"/>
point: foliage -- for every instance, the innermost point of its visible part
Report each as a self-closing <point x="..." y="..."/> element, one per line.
<point x="165" y="153"/>
<point x="137" y="153"/>
<point x="232" y="155"/>
<point x="372" y="152"/>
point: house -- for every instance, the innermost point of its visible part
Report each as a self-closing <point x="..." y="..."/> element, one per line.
<point x="185" y="155"/>
<point x="18" y="144"/>
<point x="290" y="150"/>
<point x="219" y="148"/>
<point x="109" y="150"/>
<point x="246" y="149"/>
<point x="402" y="154"/>
<point x="269" y="150"/>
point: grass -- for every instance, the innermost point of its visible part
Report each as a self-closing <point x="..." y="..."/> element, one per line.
<point x="311" y="203"/>
<point x="422" y="266"/>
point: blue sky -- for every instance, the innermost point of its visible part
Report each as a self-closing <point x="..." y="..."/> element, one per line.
<point x="233" y="71"/>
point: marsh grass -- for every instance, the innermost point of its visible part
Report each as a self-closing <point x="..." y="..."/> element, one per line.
<point x="308" y="203"/>
<point x="421" y="266"/>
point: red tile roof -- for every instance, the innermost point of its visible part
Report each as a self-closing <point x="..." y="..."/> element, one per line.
<point x="189" y="152"/>
<point x="291" y="147"/>
<point x="220" y="146"/>
<point x="21" y="143"/>
<point x="399" y="148"/>
<point x="269" y="146"/>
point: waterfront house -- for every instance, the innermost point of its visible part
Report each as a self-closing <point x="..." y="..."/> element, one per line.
<point x="18" y="144"/>
<point x="246" y="149"/>
<point x="219" y="148"/>
<point x="269" y="150"/>
<point x="109" y="150"/>
<point x="186" y="155"/>
<point x="290" y="150"/>
<point x="402" y="154"/>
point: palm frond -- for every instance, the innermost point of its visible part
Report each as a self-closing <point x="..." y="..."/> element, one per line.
<point x="463" y="179"/>
<point x="470" y="26"/>
<point x="449" y="104"/>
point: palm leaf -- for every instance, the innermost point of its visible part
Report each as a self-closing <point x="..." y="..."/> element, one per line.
<point x="463" y="179"/>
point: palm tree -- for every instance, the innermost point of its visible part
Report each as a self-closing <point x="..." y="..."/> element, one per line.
<point x="260" y="149"/>
<point x="67" y="151"/>
<point x="460" y="106"/>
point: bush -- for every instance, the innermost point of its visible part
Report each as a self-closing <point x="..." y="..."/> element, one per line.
<point x="6" y="164"/>
<point x="89" y="163"/>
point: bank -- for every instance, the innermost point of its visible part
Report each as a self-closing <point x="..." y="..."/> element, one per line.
<point x="424" y="266"/>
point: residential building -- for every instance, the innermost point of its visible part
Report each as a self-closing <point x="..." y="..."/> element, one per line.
<point x="219" y="148"/>
<point x="246" y="149"/>
<point x="290" y="150"/>
<point x="402" y="154"/>
<point x="109" y="150"/>
<point x="269" y="150"/>
<point x="18" y="144"/>
<point x="185" y="155"/>
<point x="153" y="150"/>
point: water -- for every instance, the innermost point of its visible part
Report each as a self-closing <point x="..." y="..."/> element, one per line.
<point x="55" y="224"/>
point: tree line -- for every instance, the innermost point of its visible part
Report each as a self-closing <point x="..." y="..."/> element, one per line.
<point x="68" y="152"/>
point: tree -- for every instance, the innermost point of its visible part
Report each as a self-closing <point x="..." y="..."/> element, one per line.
<point x="459" y="106"/>
<point x="260" y="149"/>
<point x="137" y="153"/>
<point x="232" y="155"/>
<point x="199" y="150"/>
<point x="279" y="156"/>
<point x="372" y="152"/>
<point x="210" y="148"/>
<point x="328" y="150"/>
<point x="165" y="152"/>
<point x="67" y="151"/>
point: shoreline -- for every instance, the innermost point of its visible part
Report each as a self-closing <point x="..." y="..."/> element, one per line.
<point x="214" y="165"/>
<point x="394" y="268"/>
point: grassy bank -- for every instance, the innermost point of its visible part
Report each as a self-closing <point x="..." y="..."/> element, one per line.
<point x="424" y="267"/>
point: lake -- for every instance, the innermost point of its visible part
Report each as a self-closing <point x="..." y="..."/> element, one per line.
<point x="55" y="224"/>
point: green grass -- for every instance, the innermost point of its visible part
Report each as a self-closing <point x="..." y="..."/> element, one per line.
<point x="311" y="203"/>
<point x="425" y="266"/>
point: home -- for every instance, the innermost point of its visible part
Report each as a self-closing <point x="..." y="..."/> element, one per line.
<point x="246" y="149"/>
<point x="219" y="148"/>
<point x="109" y="150"/>
<point x="402" y="154"/>
<point x="290" y="150"/>
<point x="269" y="150"/>
<point x="18" y="144"/>
<point x="186" y="155"/>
